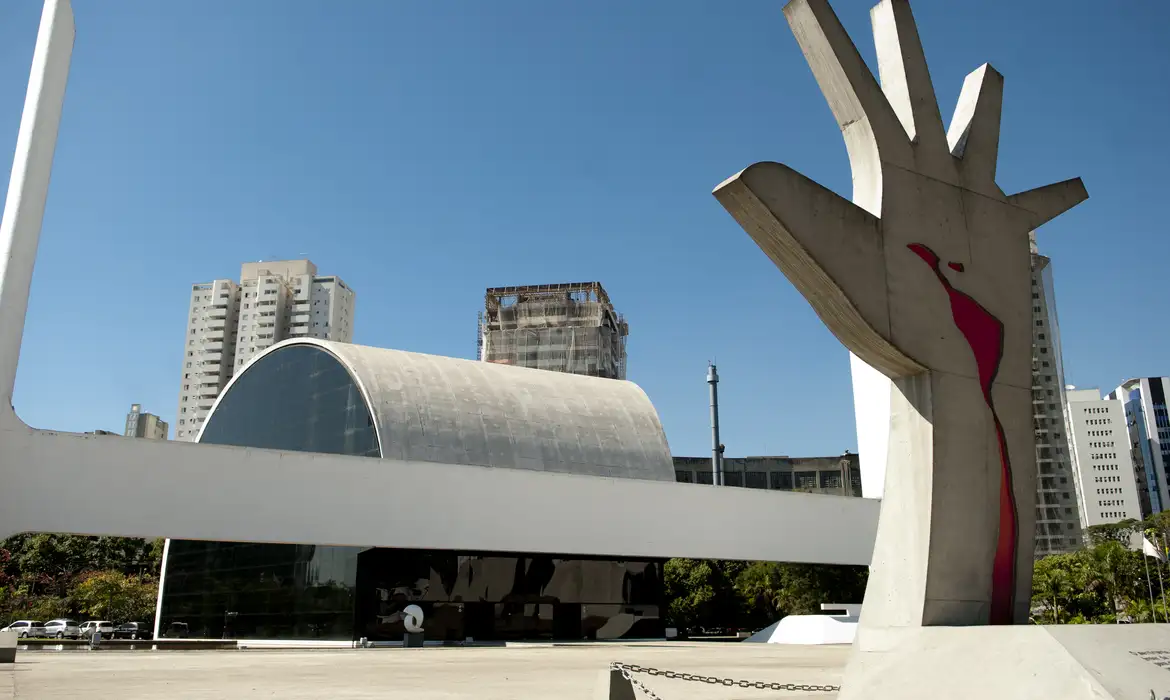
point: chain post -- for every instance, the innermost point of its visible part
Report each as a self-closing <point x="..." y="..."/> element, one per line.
<point x="628" y="671"/>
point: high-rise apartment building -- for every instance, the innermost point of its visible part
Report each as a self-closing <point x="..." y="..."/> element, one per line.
<point x="140" y="424"/>
<point x="1107" y="490"/>
<point x="230" y="322"/>
<point x="1146" y="416"/>
<point x="1058" y="520"/>
<point x="560" y="327"/>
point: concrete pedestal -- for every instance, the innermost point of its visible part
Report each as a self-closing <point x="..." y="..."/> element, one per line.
<point x="7" y="647"/>
<point x="612" y="685"/>
<point x="1024" y="662"/>
<point x="412" y="639"/>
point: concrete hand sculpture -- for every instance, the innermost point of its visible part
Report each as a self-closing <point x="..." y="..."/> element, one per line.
<point x="926" y="277"/>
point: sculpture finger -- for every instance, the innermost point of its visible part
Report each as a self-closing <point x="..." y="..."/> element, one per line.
<point x="974" y="132"/>
<point x="905" y="78"/>
<point x="1046" y="203"/>
<point x="854" y="97"/>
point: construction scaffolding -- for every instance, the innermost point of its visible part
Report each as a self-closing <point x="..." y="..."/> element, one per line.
<point x="569" y="327"/>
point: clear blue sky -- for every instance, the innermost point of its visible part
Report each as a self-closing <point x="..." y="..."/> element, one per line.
<point x="426" y="150"/>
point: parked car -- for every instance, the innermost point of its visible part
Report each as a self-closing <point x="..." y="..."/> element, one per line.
<point x="62" y="629"/>
<point x="133" y="630"/>
<point x="177" y="630"/>
<point x="26" y="628"/>
<point x="103" y="626"/>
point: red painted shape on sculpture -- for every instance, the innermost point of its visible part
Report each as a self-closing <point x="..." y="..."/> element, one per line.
<point x="984" y="333"/>
<point x="957" y="267"/>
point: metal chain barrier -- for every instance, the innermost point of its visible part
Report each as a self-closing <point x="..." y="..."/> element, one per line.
<point x="628" y="671"/>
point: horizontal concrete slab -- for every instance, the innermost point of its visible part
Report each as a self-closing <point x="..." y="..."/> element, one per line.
<point x="191" y="491"/>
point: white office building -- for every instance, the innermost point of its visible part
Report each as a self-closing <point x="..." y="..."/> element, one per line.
<point x="1107" y="489"/>
<point x="1148" y="422"/>
<point x="230" y="322"/>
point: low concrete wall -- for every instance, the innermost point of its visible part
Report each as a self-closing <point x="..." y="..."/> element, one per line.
<point x="7" y="647"/>
<point x="126" y="644"/>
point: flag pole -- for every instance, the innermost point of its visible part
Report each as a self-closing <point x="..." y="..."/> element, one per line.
<point x="1162" y="586"/>
<point x="1146" y="561"/>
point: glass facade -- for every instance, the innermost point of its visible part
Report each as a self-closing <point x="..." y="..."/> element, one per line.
<point x="301" y="398"/>
<point x="488" y="596"/>
<point x="298" y="398"/>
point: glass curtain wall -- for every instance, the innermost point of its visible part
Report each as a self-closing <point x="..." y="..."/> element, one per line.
<point x="298" y="398"/>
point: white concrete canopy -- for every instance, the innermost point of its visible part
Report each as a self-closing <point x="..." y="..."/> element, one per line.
<point x="191" y="491"/>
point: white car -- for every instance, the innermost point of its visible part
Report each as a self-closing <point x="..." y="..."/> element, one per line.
<point x="104" y="626"/>
<point x="62" y="629"/>
<point x="26" y="628"/>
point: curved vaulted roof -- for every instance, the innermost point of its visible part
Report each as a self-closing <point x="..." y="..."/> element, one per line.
<point x="431" y="408"/>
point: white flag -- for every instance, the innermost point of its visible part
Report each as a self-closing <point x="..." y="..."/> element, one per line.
<point x="1150" y="550"/>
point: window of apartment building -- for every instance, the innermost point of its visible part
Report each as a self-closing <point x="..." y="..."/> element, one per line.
<point x="1039" y="323"/>
<point x="188" y="367"/>
<point x="1035" y="295"/>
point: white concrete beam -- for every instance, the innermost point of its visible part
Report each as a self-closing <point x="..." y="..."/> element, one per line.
<point x="28" y="188"/>
<point x="192" y="491"/>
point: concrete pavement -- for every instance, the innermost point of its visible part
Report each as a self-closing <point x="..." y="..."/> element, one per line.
<point x="545" y="672"/>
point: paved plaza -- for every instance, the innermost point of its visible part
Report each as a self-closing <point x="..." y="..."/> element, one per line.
<point x="545" y="672"/>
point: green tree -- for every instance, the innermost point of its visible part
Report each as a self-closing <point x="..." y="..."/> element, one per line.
<point x="1118" y="532"/>
<point x="805" y="586"/>
<point x="758" y="587"/>
<point x="1052" y="587"/>
<point x="692" y="587"/>
<point x="112" y="595"/>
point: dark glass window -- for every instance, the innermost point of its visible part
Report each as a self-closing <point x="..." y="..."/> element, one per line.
<point x="298" y="398"/>
<point x="757" y="480"/>
<point x="782" y="481"/>
<point x="508" y="597"/>
<point x="684" y="476"/>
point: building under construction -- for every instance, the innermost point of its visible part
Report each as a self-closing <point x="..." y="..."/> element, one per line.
<point x="569" y="327"/>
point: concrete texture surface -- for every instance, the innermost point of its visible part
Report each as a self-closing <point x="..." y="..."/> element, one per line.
<point x="1009" y="662"/>
<point x="561" y="672"/>
<point x="429" y="408"/>
<point x="926" y="276"/>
